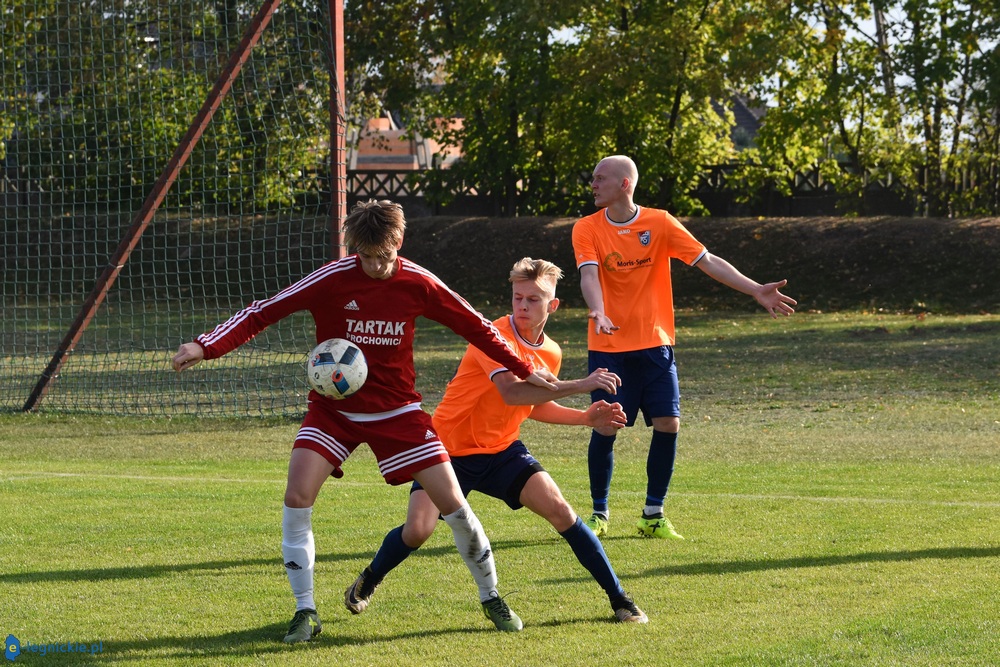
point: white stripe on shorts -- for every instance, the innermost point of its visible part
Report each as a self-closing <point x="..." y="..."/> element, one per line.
<point x="361" y="417"/>
<point x="411" y="456"/>
<point x="324" y="440"/>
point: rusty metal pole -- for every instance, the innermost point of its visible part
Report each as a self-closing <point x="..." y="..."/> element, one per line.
<point x="338" y="126"/>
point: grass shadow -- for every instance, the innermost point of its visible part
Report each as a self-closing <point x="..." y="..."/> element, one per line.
<point x="745" y="566"/>
<point x="741" y="567"/>
<point x="249" y="643"/>
<point x="154" y="571"/>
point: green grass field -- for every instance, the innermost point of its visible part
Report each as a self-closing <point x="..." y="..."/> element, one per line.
<point x="837" y="483"/>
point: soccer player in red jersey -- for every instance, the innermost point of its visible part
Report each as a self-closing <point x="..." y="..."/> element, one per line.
<point x="371" y="298"/>
<point x="623" y="252"/>
<point x="479" y="421"/>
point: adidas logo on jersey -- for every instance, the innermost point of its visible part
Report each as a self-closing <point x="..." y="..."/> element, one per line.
<point x="430" y="435"/>
<point x="353" y="305"/>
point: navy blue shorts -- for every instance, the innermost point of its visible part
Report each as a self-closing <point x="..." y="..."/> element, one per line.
<point x="502" y="475"/>
<point x="649" y="382"/>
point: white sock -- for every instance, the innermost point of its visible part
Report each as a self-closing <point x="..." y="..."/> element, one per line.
<point x="474" y="547"/>
<point x="299" y="552"/>
<point x="652" y="510"/>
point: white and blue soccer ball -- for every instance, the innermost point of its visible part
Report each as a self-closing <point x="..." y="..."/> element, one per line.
<point x="336" y="368"/>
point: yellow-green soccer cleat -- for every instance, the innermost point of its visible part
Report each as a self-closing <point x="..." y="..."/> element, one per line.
<point x="304" y="627"/>
<point x="497" y="611"/>
<point x="597" y="524"/>
<point x="657" y="526"/>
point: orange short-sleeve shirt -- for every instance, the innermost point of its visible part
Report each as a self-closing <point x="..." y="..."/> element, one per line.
<point x="633" y="260"/>
<point x="472" y="417"/>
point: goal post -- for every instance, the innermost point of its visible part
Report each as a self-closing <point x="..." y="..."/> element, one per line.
<point x="260" y="205"/>
<point x="338" y="130"/>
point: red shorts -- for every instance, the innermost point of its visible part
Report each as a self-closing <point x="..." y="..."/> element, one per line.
<point x="404" y="442"/>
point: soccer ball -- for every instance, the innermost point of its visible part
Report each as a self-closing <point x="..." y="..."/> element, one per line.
<point x="336" y="368"/>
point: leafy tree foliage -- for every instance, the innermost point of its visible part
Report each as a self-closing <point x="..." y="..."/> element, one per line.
<point x="896" y="90"/>
<point x="96" y="94"/>
<point x="649" y="79"/>
<point x="546" y="88"/>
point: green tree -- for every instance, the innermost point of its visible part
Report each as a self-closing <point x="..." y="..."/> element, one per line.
<point x="643" y="77"/>
<point x="828" y="109"/>
<point x="545" y="89"/>
<point x="941" y="58"/>
<point x="98" y="94"/>
<point x="981" y="145"/>
<point x="889" y="91"/>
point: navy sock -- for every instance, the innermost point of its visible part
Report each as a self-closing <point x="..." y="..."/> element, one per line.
<point x="590" y="552"/>
<point x="660" y="466"/>
<point x="601" y="463"/>
<point x="392" y="552"/>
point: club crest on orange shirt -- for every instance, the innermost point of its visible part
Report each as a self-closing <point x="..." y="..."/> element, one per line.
<point x="644" y="237"/>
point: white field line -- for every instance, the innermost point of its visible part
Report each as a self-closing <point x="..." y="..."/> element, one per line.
<point x="673" y="494"/>
<point x="144" y="478"/>
<point x="845" y="499"/>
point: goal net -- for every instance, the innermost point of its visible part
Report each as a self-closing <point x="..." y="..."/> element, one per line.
<point x="95" y="98"/>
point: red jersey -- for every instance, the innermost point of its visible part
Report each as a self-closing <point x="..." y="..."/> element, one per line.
<point x="376" y="315"/>
<point x="633" y="264"/>
<point x="473" y="418"/>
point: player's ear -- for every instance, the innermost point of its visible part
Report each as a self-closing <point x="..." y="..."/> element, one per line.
<point x="553" y="304"/>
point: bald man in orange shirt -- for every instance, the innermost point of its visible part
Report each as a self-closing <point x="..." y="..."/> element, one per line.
<point x="623" y="252"/>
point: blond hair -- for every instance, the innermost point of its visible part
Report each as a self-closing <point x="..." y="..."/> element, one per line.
<point x="537" y="270"/>
<point x="375" y="227"/>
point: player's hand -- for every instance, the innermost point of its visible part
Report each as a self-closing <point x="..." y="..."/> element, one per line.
<point x="605" y="415"/>
<point x="774" y="301"/>
<point x="546" y="374"/>
<point x="604" y="380"/>
<point x="602" y="323"/>
<point x="539" y="381"/>
<point x="187" y="356"/>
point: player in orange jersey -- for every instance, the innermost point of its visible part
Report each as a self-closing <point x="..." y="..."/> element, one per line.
<point x="479" y="421"/>
<point x="623" y="253"/>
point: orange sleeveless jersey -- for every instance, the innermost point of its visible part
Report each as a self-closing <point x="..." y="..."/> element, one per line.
<point x="633" y="260"/>
<point x="472" y="417"/>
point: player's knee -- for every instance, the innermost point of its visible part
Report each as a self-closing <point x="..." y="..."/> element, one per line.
<point x="606" y="431"/>
<point x="667" y="424"/>
<point x="559" y="513"/>
<point x="296" y="498"/>
<point x="415" y="534"/>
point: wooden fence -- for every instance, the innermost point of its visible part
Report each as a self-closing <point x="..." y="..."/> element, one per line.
<point x="808" y="194"/>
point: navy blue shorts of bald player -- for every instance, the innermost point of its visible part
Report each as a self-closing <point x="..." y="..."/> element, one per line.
<point x="649" y="382"/>
<point x="502" y="475"/>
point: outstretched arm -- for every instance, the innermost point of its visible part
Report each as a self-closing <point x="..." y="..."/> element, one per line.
<point x="599" y="415"/>
<point x="522" y="392"/>
<point x="539" y="380"/>
<point x="767" y="295"/>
